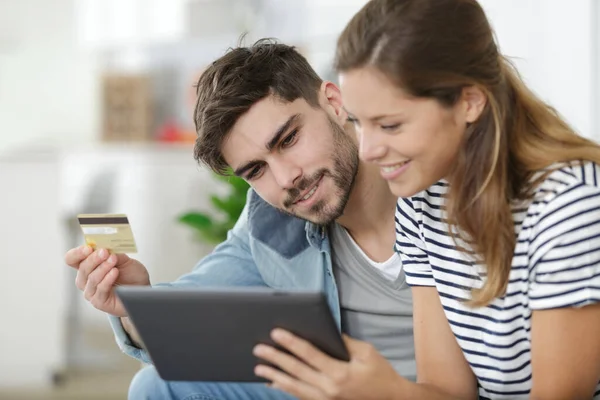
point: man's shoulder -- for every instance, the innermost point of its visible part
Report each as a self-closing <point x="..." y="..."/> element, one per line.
<point x="275" y="229"/>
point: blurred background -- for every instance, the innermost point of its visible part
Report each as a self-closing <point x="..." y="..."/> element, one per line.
<point x="96" y="100"/>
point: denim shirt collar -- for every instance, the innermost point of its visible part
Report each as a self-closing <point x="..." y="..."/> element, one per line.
<point x="317" y="236"/>
<point x="283" y="233"/>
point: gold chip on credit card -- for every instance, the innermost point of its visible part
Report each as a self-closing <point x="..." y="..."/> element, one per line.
<point x="108" y="231"/>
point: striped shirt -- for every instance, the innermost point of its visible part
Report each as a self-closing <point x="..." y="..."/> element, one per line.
<point x="556" y="264"/>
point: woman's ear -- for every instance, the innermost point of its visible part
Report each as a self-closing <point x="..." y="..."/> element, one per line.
<point x="474" y="100"/>
<point x="331" y="99"/>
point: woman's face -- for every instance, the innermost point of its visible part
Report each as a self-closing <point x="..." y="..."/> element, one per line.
<point x="415" y="141"/>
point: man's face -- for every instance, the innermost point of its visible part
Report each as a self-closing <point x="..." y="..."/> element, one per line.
<point x="297" y="158"/>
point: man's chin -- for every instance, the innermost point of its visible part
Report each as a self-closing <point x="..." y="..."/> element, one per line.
<point x="318" y="220"/>
<point x="323" y="215"/>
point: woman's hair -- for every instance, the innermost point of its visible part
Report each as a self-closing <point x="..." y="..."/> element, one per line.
<point x="434" y="49"/>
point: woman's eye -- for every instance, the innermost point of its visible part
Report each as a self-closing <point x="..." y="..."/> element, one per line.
<point x="353" y="120"/>
<point x="390" y="127"/>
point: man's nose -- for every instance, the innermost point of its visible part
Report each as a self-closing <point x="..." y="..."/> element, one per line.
<point x="286" y="173"/>
<point x="371" y="145"/>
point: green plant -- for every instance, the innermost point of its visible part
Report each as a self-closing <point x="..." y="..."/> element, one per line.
<point x="213" y="230"/>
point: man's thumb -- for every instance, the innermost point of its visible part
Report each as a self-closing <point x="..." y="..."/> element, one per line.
<point x="122" y="259"/>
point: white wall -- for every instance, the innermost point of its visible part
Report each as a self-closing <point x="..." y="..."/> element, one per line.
<point x="47" y="85"/>
<point x="32" y="273"/>
<point x="318" y="30"/>
<point x="596" y="68"/>
<point x="554" y="44"/>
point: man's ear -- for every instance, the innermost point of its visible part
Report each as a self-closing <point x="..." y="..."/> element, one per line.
<point x="474" y="100"/>
<point x="331" y="99"/>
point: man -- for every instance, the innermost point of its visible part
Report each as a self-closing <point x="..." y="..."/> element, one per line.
<point x="315" y="219"/>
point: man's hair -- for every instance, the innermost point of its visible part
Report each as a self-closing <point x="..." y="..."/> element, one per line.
<point x="238" y="80"/>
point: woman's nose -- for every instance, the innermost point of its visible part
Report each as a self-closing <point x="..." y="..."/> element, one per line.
<point x="371" y="147"/>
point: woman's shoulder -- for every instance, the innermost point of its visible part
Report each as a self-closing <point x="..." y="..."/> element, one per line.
<point x="565" y="194"/>
<point x="560" y="178"/>
<point x="432" y="198"/>
<point x="562" y="237"/>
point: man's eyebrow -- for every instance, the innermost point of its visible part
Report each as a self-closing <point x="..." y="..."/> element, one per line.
<point x="270" y="145"/>
<point x="281" y="131"/>
<point x="249" y="165"/>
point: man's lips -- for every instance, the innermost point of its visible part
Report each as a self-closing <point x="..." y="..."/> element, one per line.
<point x="305" y="192"/>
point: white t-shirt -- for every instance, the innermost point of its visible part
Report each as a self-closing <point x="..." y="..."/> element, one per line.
<point x="556" y="264"/>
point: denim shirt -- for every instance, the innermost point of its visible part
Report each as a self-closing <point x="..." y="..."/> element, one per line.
<point x="266" y="248"/>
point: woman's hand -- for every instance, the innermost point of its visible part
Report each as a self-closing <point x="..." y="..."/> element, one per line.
<point x="314" y="375"/>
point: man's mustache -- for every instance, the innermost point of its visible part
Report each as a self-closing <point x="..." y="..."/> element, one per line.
<point x="303" y="184"/>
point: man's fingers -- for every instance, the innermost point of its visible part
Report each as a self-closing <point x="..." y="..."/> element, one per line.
<point x="93" y="260"/>
<point x="90" y="264"/>
<point x="95" y="277"/>
<point x="104" y="288"/>
<point x="74" y="256"/>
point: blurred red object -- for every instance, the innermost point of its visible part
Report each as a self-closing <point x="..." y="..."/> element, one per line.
<point x="171" y="132"/>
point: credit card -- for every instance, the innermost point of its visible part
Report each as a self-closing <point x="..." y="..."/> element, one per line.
<point x="108" y="231"/>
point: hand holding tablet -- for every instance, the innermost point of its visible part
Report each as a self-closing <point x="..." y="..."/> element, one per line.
<point x="205" y="334"/>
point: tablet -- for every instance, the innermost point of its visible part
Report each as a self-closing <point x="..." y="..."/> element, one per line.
<point x="208" y="334"/>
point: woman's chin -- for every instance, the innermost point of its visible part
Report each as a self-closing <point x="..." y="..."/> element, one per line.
<point x="404" y="189"/>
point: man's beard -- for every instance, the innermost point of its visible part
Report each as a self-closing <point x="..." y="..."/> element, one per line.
<point x="345" y="164"/>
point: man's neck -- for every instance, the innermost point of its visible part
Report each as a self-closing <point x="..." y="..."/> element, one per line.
<point x="371" y="205"/>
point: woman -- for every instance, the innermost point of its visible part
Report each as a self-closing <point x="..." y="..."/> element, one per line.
<point x="498" y="221"/>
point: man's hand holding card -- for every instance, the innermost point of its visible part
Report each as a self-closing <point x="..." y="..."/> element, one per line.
<point x="102" y="264"/>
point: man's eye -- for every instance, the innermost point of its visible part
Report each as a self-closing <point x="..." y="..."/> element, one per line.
<point x="289" y="140"/>
<point x="254" y="173"/>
